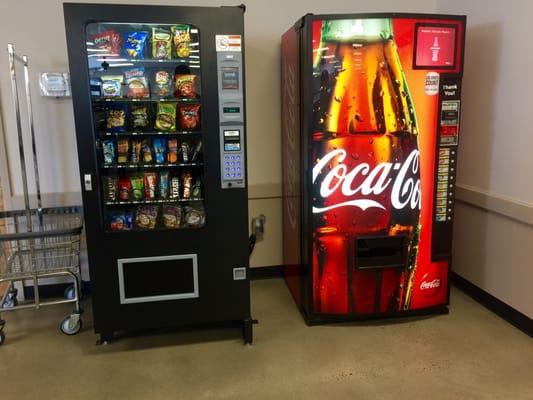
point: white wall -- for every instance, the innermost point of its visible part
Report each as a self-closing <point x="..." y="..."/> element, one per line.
<point x="495" y="169"/>
<point x="36" y="28"/>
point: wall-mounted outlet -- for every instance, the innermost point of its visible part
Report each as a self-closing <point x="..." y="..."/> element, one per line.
<point x="258" y="226"/>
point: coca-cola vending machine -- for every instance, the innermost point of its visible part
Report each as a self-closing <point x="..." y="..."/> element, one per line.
<point x="370" y="106"/>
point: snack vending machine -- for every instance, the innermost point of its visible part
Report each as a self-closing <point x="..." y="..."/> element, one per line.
<point x="371" y="106"/>
<point x="159" y="109"/>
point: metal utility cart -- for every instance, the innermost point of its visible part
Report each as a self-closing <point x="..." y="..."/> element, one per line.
<point x="38" y="243"/>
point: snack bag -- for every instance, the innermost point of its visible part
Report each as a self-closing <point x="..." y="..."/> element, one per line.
<point x="124" y="189"/>
<point x="134" y="43"/>
<point x="160" y="148"/>
<point x="163" y="185"/>
<point x="172" y="152"/>
<point x="123" y="146"/>
<point x="137" y="187"/>
<point x="181" y="40"/>
<point x="161" y="43"/>
<point x="162" y="84"/>
<point x="116" y="118"/>
<point x="196" y="192"/>
<point x="185" y="85"/>
<point x="108" y="41"/>
<point x="117" y="220"/>
<point x="165" y="119"/>
<point x="146" y="217"/>
<point x="137" y="83"/>
<point x="175" y="188"/>
<point x="136" y="151"/>
<point x="185" y="151"/>
<point x="139" y="117"/>
<point x="150" y="185"/>
<point x="171" y="216"/>
<point x="110" y="187"/>
<point x="194" y="217"/>
<point x="196" y="152"/>
<point x="187" y="183"/>
<point x="109" y="151"/>
<point x="146" y="151"/>
<point x="189" y="116"/>
<point x="112" y="85"/>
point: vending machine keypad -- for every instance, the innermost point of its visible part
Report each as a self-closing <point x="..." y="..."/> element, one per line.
<point x="231" y="120"/>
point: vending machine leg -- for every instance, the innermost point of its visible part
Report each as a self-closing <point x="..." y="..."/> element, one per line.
<point x="105" y="338"/>
<point x="248" y="330"/>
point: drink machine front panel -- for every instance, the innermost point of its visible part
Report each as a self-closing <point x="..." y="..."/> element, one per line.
<point x="385" y="124"/>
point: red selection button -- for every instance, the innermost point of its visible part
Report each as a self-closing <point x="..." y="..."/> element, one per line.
<point x="449" y="130"/>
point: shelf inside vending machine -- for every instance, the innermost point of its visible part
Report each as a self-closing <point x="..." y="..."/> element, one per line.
<point x="147" y="112"/>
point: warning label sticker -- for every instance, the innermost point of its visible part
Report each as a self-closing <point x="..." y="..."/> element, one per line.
<point x="228" y="42"/>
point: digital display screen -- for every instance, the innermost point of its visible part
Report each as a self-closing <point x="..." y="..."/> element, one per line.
<point x="435" y="46"/>
<point x="230" y="78"/>
<point x="232" y="140"/>
<point x="231" y="110"/>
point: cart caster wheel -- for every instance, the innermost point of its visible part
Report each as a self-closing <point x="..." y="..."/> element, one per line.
<point x="71" y="325"/>
<point x="69" y="293"/>
<point x="2" y="338"/>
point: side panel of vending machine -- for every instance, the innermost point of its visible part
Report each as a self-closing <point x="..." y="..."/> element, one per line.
<point x="159" y="109"/>
<point x="379" y="114"/>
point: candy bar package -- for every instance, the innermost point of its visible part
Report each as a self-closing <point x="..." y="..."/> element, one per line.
<point x="194" y="217"/>
<point x="171" y="216"/>
<point x="185" y="152"/>
<point x="187" y="184"/>
<point x="123" y="149"/>
<point x="136" y="151"/>
<point x="120" y="220"/>
<point x="137" y="187"/>
<point x="196" y="153"/>
<point x="116" y="118"/>
<point x="161" y="43"/>
<point x="175" y="188"/>
<point x="150" y="185"/>
<point x="160" y="147"/>
<point x="146" y="217"/>
<point x="181" y="40"/>
<point x="137" y="83"/>
<point x="124" y="188"/>
<point x="162" y="84"/>
<point x="185" y="85"/>
<point x="134" y="43"/>
<point x="189" y="116"/>
<point x="139" y="117"/>
<point x="109" y="151"/>
<point x="163" y="185"/>
<point x="110" y="187"/>
<point x="112" y="85"/>
<point x="108" y="42"/>
<point x="172" y="151"/>
<point x="165" y="119"/>
<point x="146" y="151"/>
<point x="196" y="192"/>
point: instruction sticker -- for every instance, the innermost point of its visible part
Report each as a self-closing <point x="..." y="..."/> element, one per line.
<point x="228" y="42"/>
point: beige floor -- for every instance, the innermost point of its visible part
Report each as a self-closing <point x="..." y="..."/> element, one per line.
<point x="469" y="354"/>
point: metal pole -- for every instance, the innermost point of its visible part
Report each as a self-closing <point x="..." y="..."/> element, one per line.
<point x="32" y="132"/>
<point x="14" y="91"/>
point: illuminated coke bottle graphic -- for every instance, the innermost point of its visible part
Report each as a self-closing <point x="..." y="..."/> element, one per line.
<point x="366" y="166"/>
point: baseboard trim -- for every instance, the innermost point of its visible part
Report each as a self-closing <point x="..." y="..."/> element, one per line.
<point x="498" y="307"/>
<point x="275" y="271"/>
<point x="55" y="290"/>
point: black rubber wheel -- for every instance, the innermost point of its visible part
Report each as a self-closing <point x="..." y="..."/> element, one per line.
<point x="2" y="338"/>
<point x="65" y="327"/>
<point x="69" y="293"/>
<point x="248" y="331"/>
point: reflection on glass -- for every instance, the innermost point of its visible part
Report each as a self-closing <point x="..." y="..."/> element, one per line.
<point x="146" y="102"/>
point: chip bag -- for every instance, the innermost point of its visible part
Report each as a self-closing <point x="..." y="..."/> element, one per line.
<point x="112" y="85"/>
<point x="134" y="43"/>
<point x="189" y="116"/>
<point x="165" y="119"/>
<point x="171" y="216"/>
<point x="137" y="83"/>
<point x="162" y="84"/>
<point x="108" y="42"/>
<point x="146" y="217"/>
<point x="161" y="43"/>
<point x="181" y="40"/>
<point x="139" y="117"/>
<point x="185" y="85"/>
<point x="116" y="118"/>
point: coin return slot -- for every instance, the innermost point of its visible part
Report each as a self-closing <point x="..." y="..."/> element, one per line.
<point x="381" y="252"/>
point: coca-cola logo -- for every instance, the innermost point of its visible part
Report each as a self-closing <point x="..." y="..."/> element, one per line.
<point x="430" y="284"/>
<point x="405" y="188"/>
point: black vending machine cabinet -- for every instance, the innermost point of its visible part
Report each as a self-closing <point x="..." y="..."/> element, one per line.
<point x="159" y="109"/>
